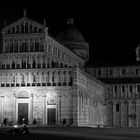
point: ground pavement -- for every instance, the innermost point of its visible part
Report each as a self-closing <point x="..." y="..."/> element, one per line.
<point x="73" y="133"/>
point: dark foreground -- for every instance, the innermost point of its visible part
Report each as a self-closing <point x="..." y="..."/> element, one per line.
<point x="72" y="133"/>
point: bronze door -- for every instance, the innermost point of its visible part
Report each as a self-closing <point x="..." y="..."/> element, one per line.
<point x="51" y="115"/>
<point x="23" y="113"/>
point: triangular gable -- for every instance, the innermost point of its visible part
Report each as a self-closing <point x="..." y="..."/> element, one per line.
<point x="24" y="25"/>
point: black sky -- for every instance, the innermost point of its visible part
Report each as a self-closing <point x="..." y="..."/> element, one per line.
<point x="111" y="29"/>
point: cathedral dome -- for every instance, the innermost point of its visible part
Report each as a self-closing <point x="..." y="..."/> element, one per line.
<point x="72" y="38"/>
<point x="70" y="33"/>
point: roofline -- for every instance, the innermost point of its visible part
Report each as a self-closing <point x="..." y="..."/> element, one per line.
<point x="23" y="18"/>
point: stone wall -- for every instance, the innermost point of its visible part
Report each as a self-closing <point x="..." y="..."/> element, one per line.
<point x="91" y="100"/>
<point x="123" y="113"/>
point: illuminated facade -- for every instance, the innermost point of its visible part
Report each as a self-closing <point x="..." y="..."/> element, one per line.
<point x="42" y="77"/>
<point x="123" y="96"/>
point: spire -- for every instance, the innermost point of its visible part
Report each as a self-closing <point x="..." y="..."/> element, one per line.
<point x="44" y="22"/>
<point x="24" y="13"/>
<point x="46" y="32"/>
<point x="70" y="21"/>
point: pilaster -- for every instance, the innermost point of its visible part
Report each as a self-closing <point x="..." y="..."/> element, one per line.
<point x="138" y="113"/>
<point x="75" y="107"/>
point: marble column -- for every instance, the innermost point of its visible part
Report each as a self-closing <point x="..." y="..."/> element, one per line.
<point x="44" y="110"/>
<point x="29" y="45"/>
<point x="114" y="113"/>
<point x="2" y="105"/>
<point x="124" y="114"/>
<point x="41" y="61"/>
<point x="32" y="109"/>
<point x="138" y="113"/>
<point x="132" y="119"/>
<point x="59" y="108"/>
<point x="36" y="61"/>
<point x="75" y="109"/>
<point x="14" y="108"/>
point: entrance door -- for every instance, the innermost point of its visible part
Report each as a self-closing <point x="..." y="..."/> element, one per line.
<point x="23" y="113"/>
<point x="51" y="115"/>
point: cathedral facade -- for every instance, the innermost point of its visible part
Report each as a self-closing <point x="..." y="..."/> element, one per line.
<point x="43" y="78"/>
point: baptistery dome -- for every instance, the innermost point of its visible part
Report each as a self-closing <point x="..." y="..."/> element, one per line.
<point x="73" y="39"/>
<point x="70" y="33"/>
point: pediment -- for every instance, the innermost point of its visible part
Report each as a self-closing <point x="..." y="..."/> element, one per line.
<point x="22" y="26"/>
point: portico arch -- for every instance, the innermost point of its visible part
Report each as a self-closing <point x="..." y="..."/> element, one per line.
<point x="51" y="108"/>
<point x="23" y="107"/>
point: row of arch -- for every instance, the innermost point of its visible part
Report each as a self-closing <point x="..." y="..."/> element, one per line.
<point x="90" y="108"/>
<point x="33" y="44"/>
<point x="36" y="46"/>
<point x="115" y="72"/>
<point x="51" y="78"/>
<point x="78" y="46"/>
<point x="24" y="27"/>
<point x="23" y="46"/>
<point x="123" y="95"/>
<point x="124" y="91"/>
<point x="30" y="62"/>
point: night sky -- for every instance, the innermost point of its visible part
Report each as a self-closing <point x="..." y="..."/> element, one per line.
<point x="111" y="29"/>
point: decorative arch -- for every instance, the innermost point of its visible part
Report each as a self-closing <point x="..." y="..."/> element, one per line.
<point x="23" y="94"/>
<point x="51" y="101"/>
<point x="51" y="98"/>
<point x="51" y="94"/>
